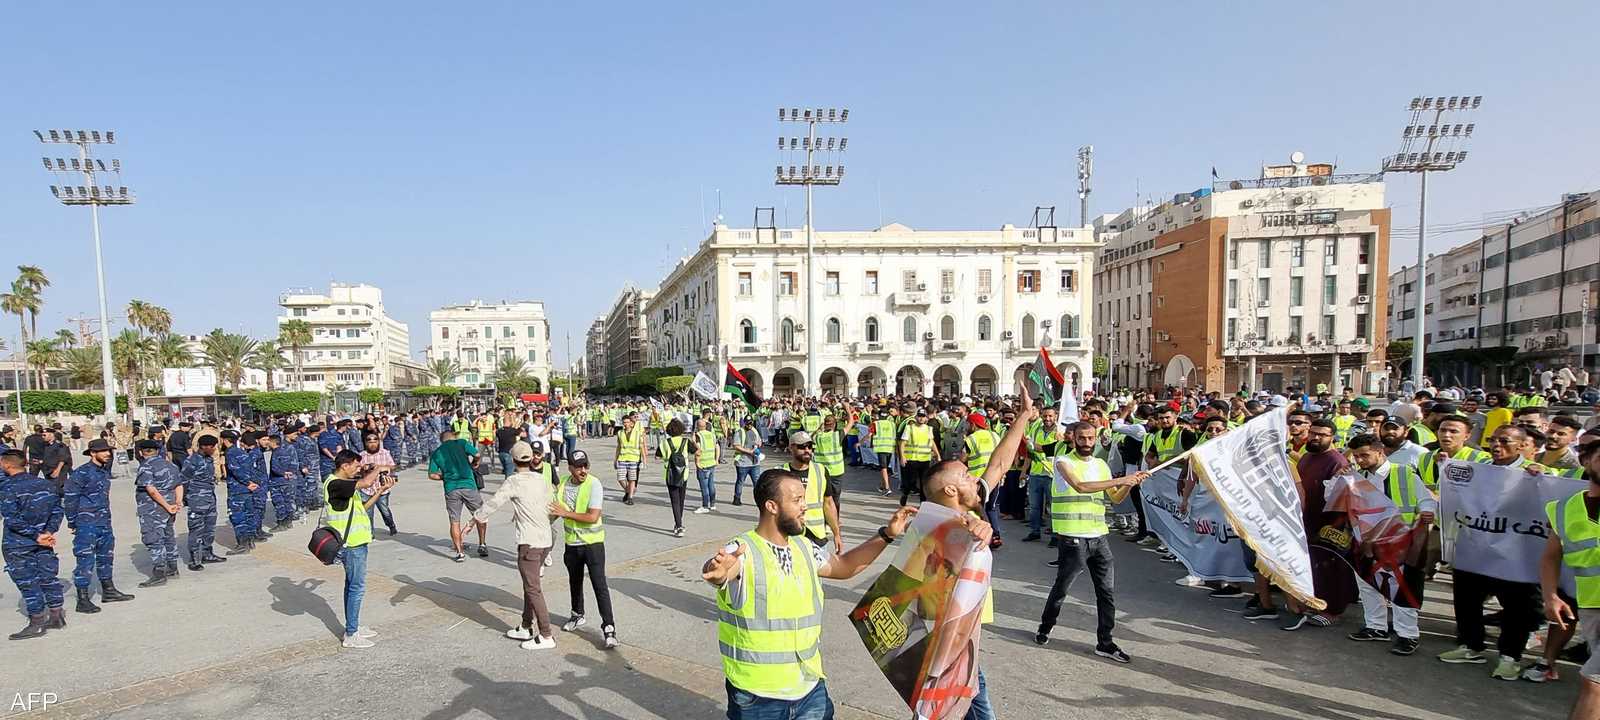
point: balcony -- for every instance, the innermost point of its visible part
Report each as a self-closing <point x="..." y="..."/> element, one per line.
<point x="749" y="349"/>
<point x="867" y="349"/>
<point x="947" y="347"/>
<point x="910" y="299"/>
<point x="1073" y="343"/>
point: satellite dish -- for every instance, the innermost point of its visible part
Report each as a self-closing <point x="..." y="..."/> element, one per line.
<point x="1297" y="157"/>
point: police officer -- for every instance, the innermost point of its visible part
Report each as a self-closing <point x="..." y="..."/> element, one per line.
<point x="394" y="440"/>
<point x="329" y="442"/>
<point x="200" y="495"/>
<point x="32" y="514"/>
<point x="258" y="496"/>
<point x="305" y="450"/>
<point x="86" y="498"/>
<point x="283" y="479"/>
<point x="241" y="482"/>
<point x="158" y="497"/>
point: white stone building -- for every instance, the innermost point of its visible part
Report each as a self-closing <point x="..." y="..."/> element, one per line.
<point x="898" y="309"/>
<point x="478" y="335"/>
<point x="354" y="343"/>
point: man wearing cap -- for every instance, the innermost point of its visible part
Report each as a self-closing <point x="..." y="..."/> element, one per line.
<point x="200" y="495"/>
<point x="329" y="442"/>
<point x="55" y="459"/>
<point x="1393" y="432"/>
<point x="578" y="502"/>
<point x="180" y="441"/>
<point x="283" y="477"/>
<point x="822" y="511"/>
<point x="918" y="452"/>
<point x="529" y="492"/>
<point x="306" y="451"/>
<point x="86" y="499"/>
<point x="158" y="496"/>
<point x="242" y="481"/>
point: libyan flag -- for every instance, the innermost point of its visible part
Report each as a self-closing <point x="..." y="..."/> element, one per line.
<point x="1047" y="380"/>
<point x="735" y="384"/>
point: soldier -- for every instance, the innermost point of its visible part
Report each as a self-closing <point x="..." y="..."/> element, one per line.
<point x="283" y="479"/>
<point x="241" y="481"/>
<point x="258" y="496"/>
<point x="305" y="450"/>
<point x="32" y="513"/>
<point x="329" y="442"/>
<point x="394" y="441"/>
<point x="86" y="499"/>
<point x="200" y="494"/>
<point x="158" y="496"/>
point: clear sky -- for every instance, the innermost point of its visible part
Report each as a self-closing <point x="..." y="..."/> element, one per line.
<point x="555" y="151"/>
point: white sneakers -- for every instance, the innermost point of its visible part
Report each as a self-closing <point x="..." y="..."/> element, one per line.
<point x="539" y="643"/>
<point x="356" y="642"/>
<point x="702" y="510"/>
<point x="366" y="632"/>
<point x="575" y="623"/>
<point x="519" y="633"/>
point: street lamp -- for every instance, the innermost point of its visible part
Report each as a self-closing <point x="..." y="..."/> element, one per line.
<point x="1441" y="140"/>
<point x="830" y="172"/>
<point x="94" y="195"/>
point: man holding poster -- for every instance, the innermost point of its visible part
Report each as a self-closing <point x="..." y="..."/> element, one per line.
<point x="1575" y="542"/>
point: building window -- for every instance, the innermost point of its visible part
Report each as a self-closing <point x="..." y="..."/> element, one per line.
<point x="1028" y="331"/>
<point x="1330" y="289"/>
<point x="507" y="353"/>
<point x="947" y="281"/>
<point x="786" y="330"/>
<point x="908" y="329"/>
<point x="1366" y="249"/>
<point x="298" y="312"/>
<point x="1294" y="329"/>
<point x="1297" y="287"/>
<point x="1330" y="252"/>
<point x="947" y="328"/>
<point x="334" y="354"/>
<point x="1264" y="254"/>
<point x="786" y="283"/>
<point x="334" y="332"/>
<point x="472" y="378"/>
<point x="533" y="356"/>
<point x="1362" y="284"/>
<point x="908" y="280"/>
<point x="833" y="282"/>
<point x="1233" y="255"/>
<point x="870" y="329"/>
<point x="1233" y="330"/>
<point x="834" y="330"/>
<point x="984" y="328"/>
<point x="1069" y="280"/>
<point x="746" y="288"/>
<point x="531" y="333"/>
<point x="871" y="283"/>
<point x="1297" y="253"/>
<point x="1261" y="329"/>
<point x="1028" y="281"/>
<point x="1327" y="329"/>
<point x="747" y="332"/>
<point x="985" y="282"/>
<point x="1361" y="326"/>
<point x="1069" y="326"/>
<point x="1263" y="290"/>
<point x="472" y="356"/>
<point x="1233" y="294"/>
<point x="488" y="332"/>
<point x="341" y="311"/>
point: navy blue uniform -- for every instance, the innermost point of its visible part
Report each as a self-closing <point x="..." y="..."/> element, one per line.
<point x="30" y="507"/>
<point x="200" y="495"/>
<point x="258" y="496"/>
<point x="156" y="525"/>
<point x="283" y="482"/>
<point x="86" y="498"/>
<point x="241" y="470"/>
<point x="329" y="443"/>
<point x="310" y="493"/>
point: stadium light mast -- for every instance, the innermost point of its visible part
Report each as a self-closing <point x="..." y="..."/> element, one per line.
<point x="86" y="169"/>
<point x="1432" y="142"/>
<point x="811" y="173"/>
<point x="1085" y="176"/>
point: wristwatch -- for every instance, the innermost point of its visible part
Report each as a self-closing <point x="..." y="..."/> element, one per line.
<point x="883" y="532"/>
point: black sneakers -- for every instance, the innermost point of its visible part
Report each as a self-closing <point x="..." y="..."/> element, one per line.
<point x="1369" y="635"/>
<point x="1114" y="653"/>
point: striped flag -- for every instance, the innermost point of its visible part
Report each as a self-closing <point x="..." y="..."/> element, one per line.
<point x="737" y="386"/>
<point x="1047" y="381"/>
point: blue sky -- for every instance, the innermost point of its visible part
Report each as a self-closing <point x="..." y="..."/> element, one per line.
<point x="557" y="151"/>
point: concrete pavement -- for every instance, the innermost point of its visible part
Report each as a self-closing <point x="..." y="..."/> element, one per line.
<point x="257" y="637"/>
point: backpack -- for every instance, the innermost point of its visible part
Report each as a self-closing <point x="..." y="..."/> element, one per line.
<point x="677" y="476"/>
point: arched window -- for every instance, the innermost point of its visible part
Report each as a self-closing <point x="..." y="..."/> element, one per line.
<point x="871" y="330"/>
<point x="947" y="328"/>
<point x="1027" y="331"/>
<point x="747" y="332"/>
<point x="984" y="328"/>
<point x="909" y="329"/>
<point x="1069" y="326"/>
<point x="786" y="333"/>
<point x="834" y="330"/>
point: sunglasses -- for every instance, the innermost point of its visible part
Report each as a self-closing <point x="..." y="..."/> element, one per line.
<point x="806" y="446"/>
<point x="1299" y="422"/>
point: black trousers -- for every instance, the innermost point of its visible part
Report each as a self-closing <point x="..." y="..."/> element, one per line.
<point x="1138" y="509"/>
<point x="577" y="558"/>
<point x="1520" y="602"/>
<point x="676" y="495"/>
<point x="912" y="473"/>
<point x="1073" y="555"/>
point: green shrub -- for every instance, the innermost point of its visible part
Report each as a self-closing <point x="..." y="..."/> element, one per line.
<point x="49" y="401"/>
<point x="370" y="396"/>
<point x="285" y="402"/>
<point x="435" y="390"/>
<point x="673" y="383"/>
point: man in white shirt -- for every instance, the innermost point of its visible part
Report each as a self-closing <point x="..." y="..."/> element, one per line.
<point x="1399" y="447"/>
<point x="1410" y="496"/>
<point x="1547" y="380"/>
<point x="528" y="491"/>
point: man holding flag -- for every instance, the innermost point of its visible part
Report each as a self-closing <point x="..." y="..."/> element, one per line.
<point x="734" y="384"/>
<point x="1390" y="509"/>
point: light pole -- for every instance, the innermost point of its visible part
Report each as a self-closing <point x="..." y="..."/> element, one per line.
<point x="1111" y="359"/>
<point x="1441" y="143"/>
<point x="1085" y="174"/>
<point x="94" y="195"/>
<point x="811" y="174"/>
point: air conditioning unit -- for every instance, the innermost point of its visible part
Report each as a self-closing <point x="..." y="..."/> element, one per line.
<point x="1363" y="299"/>
<point x="927" y="336"/>
<point x="922" y="286"/>
<point x="951" y="345"/>
<point x="874" y="347"/>
<point x="1163" y="335"/>
<point x="1006" y="335"/>
<point x="946" y="298"/>
<point x="983" y="298"/>
<point x="1247" y="203"/>
<point x="1359" y="341"/>
<point x="1264" y="304"/>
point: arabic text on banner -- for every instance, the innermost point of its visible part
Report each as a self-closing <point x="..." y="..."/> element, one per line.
<point x="1248" y="472"/>
<point x="704" y="386"/>
<point x="1202" y="539"/>
<point x="921" y="618"/>
<point x="1493" y="520"/>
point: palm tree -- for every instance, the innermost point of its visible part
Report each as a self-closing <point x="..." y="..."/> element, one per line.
<point x="295" y="334"/>
<point x="19" y="302"/>
<point x="32" y="278"/>
<point x="511" y="374"/>
<point x="66" y="338"/>
<point x="149" y="317"/>
<point x="268" y="358"/>
<point x="82" y="365"/>
<point x="444" y="370"/>
<point x="226" y="353"/>
<point x="41" y="355"/>
<point x="172" y="351"/>
<point x="130" y="355"/>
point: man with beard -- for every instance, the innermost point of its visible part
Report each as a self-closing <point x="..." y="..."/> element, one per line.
<point x="769" y="602"/>
<point x="1398" y="444"/>
<point x="1417" y="507"/>
<point x="1328" y="532"/>
<point x="1574" y="527"/>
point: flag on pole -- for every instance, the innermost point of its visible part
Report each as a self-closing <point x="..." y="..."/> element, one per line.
<point x="1052" y="387"/>
<point x="737" y="386"/>
<point x="704" y="386"/>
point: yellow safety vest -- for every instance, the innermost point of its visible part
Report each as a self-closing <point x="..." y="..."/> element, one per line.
<point x="360" y="524"/>
<point x="810" y="423"/>
<point x="1342" y="425"/>
<point x="883" y="432"/>
<point x="980" y="445"/>
<point x="576" y="498"/>
<point x="919" y="443"/>
<point x="1041" y="437"/>
<point x="1430" y="474"/>
<point x="628" y="445"/>
<point x="830" y="451"/>
<point x="816" y="491"/>
<point x="1399" y="491"/>
<point x="1424" y="433"/>
<point x="1079" y="514"/>
<point x="1167" y="447"/>
<point x="707" y="457"/>
<point x="1580" y="545"/>
<point x="771" y="643"/>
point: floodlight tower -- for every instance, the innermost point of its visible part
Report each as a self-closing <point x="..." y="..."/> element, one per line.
<point x="1085" y="174"/>
<point x="92" y="194"/>
<point x="1441" y="142"/>
<point x="831" y="172"/>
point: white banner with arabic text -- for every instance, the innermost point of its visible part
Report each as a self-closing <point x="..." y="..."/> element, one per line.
<point x="1493" y="521"/>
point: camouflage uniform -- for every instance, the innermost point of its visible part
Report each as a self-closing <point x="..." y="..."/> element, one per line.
<point x="30" y="506"/>
<point x="200" y="495"/>
<point x="305" y="448"/>
<point x="86" y="498"/>
<point x="156" y="529"/>
<point x="283" y="483"/>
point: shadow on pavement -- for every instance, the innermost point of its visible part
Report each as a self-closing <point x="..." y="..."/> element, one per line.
<point x="655" y="597"/>
<point x="291" y="597"/>
<point x="460" y="597"/>
<point x="506" y="699"/>
<point x="441" y="547"/>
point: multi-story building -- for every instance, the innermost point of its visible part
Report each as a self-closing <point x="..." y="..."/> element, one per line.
<point x="899" y="309"/>
<point x="626" y="335"/>
<point x="1541" y="286"/>
<point x="479" y="336"/>
<point x="1273" y="282"/>
<point x="594" y="354"/>
<point x="1449" y="314"/>
<point x="354" y="343"/>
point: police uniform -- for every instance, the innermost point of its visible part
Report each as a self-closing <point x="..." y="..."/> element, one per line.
<point x="156" y="529"/>
<point x="258" y="496"/>
<point x="200" y="496"/>
<point x="310" y="487"/>
<point x="30" y="507"/>
<point x="86" y="499"/>
<point x="283" y="483"/>
<point x="241" y="471"/>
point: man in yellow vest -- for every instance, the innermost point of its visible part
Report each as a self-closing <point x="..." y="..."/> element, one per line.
<point x="822" y="507"/>
<point x="347" y="513"/>
<point x="978" y="452"/>
<point x="769" y="603"/>
<point x="707" y="454"/>
<point x="1078" y="519"/>
<point x="630" y="457"/>
<point x="1417" y="506"/>
<point x="883" y="434"/>
<point x="917" y="453"/>
<point x="1043" y="437"/>
<point x="1343" y="421"/>
<point x="1574" y="541"/>
<point x="830" y="455"/>
<point x="578" y="502"/>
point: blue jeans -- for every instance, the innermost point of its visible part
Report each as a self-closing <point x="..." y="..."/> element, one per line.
<point x="382" y="507"/>
<point x="355" y="586"/>
<point x="745" y="706"/>
<point x="572" y="444"/>
<point x="740" y="474"/>
<point x="1038" y="495"/>
<point x="506" y="466"/>
<point x="708" y="486"/>
<point x="981" y="709"/>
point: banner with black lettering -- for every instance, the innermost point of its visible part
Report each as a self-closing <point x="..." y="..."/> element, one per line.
<point x="1200" y="536"/>
<point x="1492" y="518"/>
